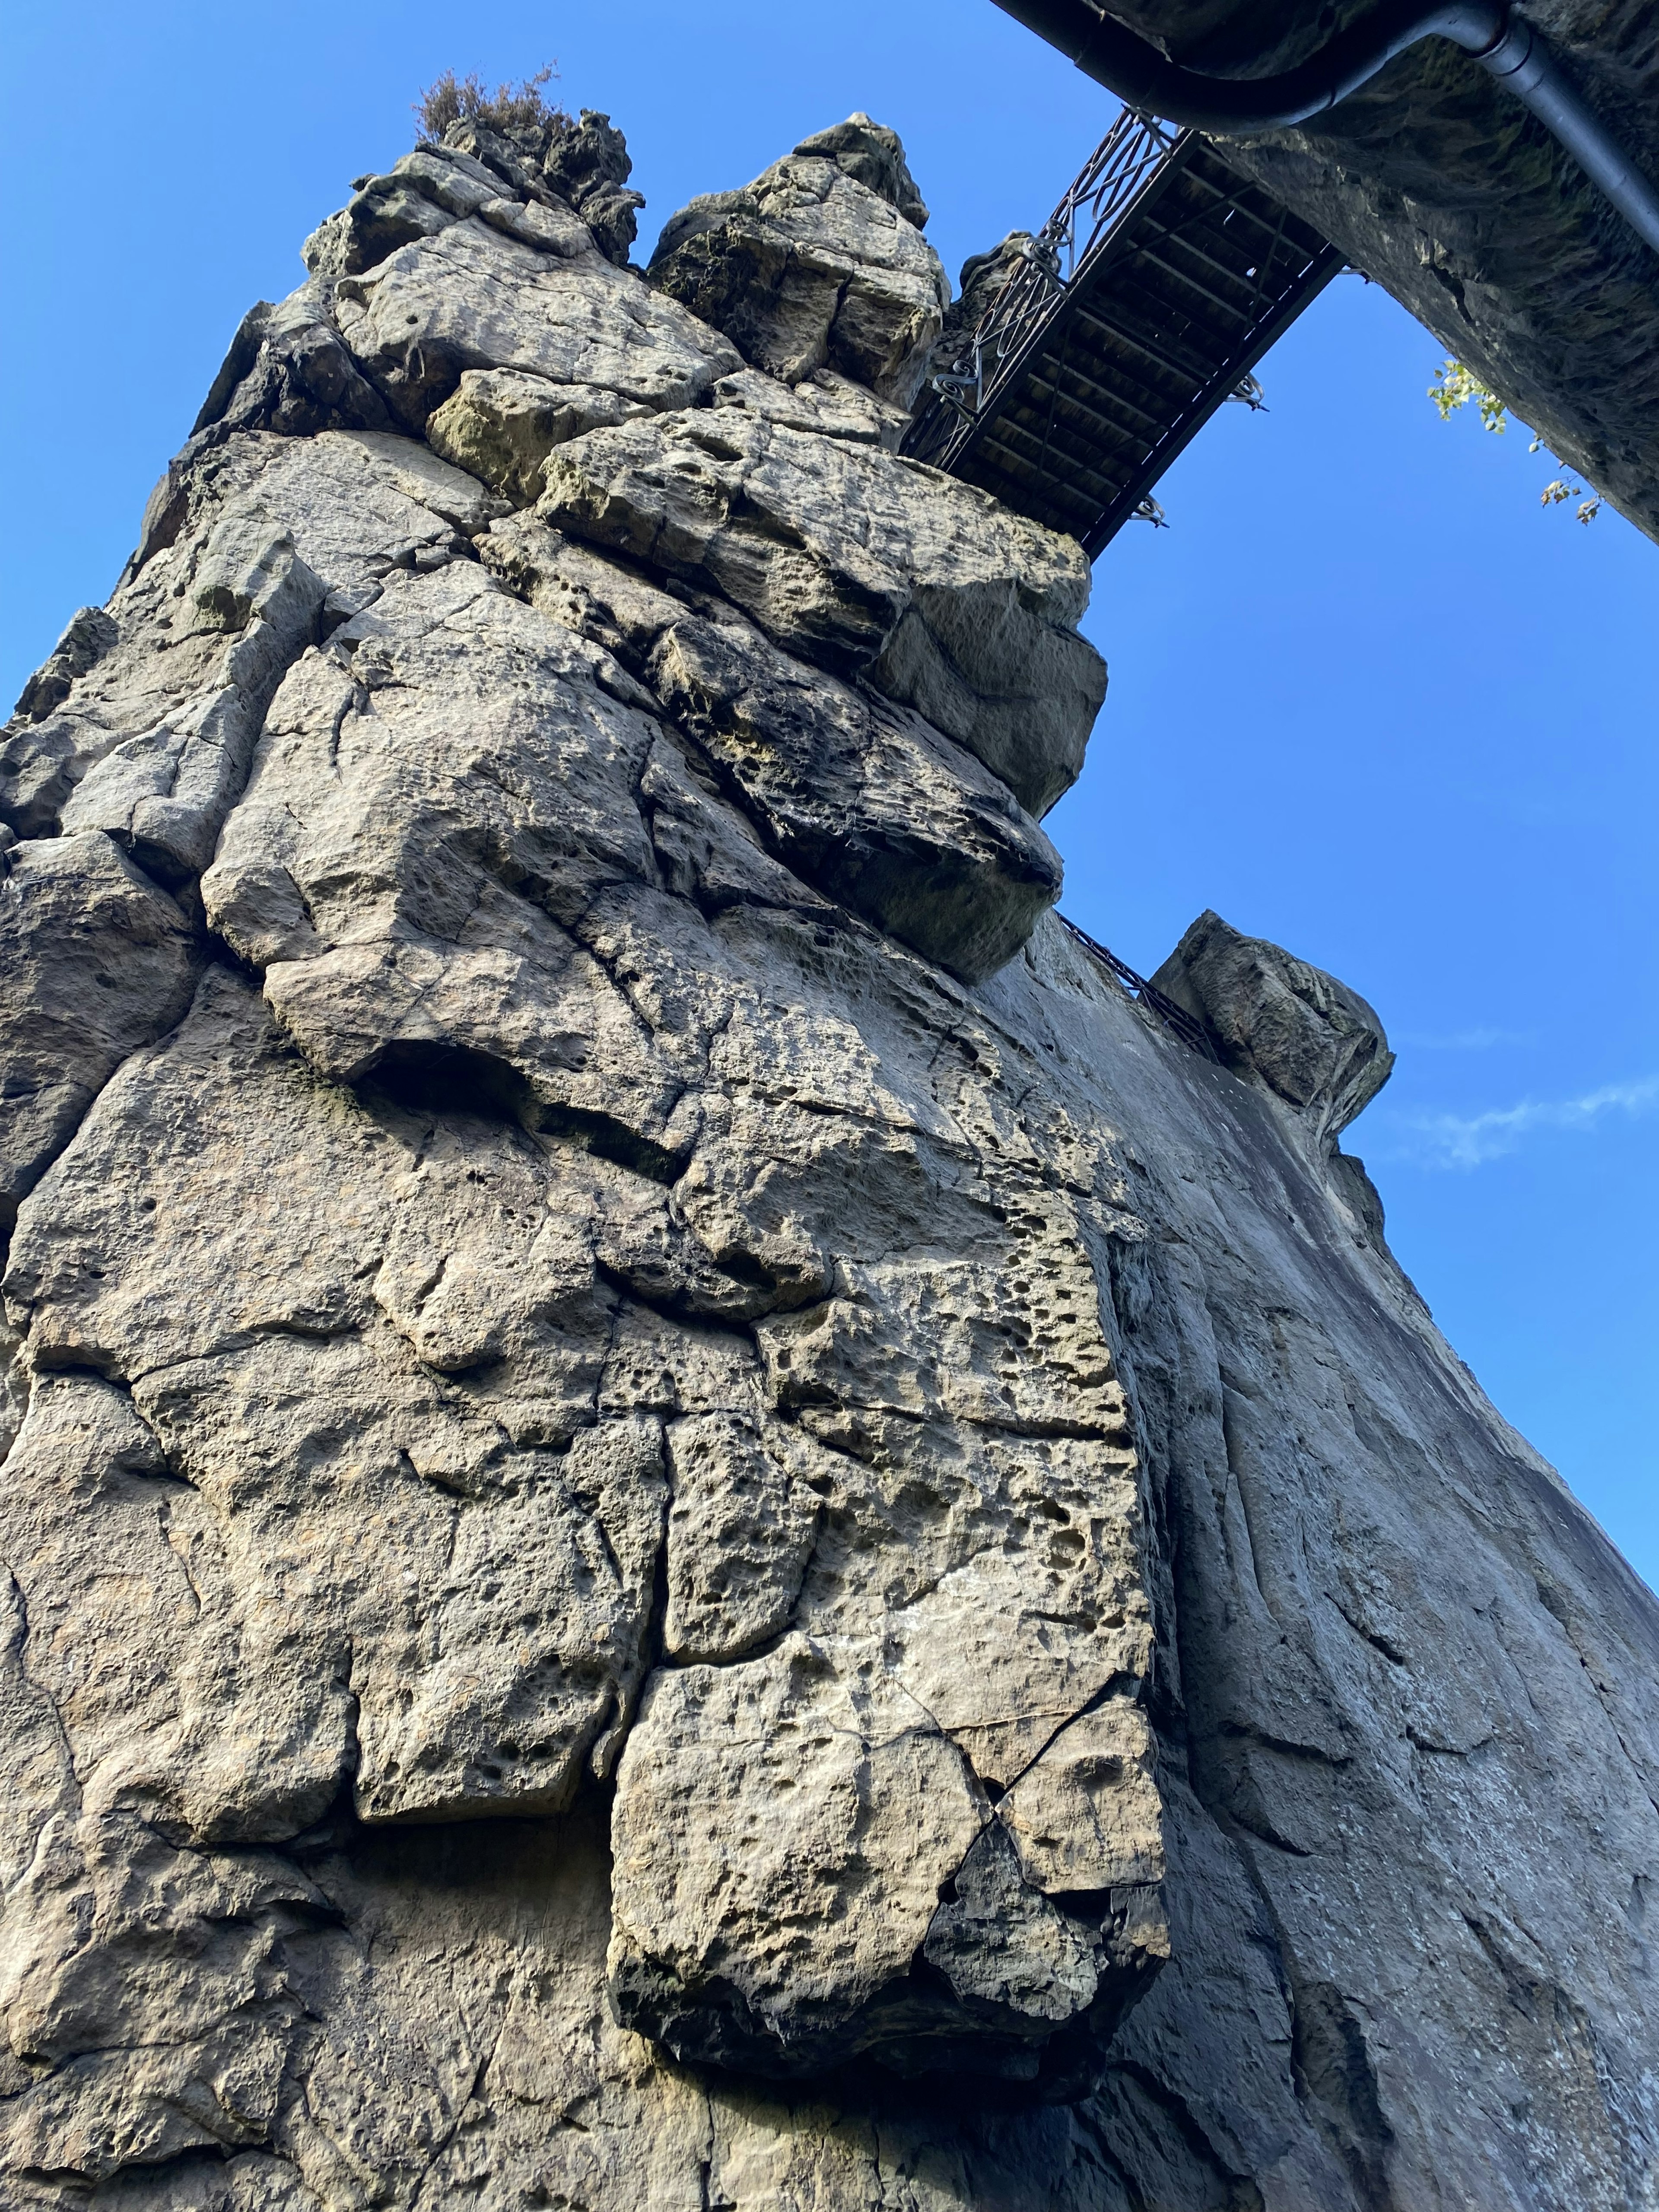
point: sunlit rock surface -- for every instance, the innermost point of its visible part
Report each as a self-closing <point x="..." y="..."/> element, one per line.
<point x="691" y="1523"/>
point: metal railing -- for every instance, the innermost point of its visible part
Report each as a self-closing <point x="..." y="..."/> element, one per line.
<point x="1080" y="229"/>
<point x="1177" y="1019"/>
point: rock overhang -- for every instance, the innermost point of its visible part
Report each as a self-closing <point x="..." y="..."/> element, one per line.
<point x="1440" y="188"/>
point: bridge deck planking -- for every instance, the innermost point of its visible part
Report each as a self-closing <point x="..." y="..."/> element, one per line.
<point x="1076" y="391"/>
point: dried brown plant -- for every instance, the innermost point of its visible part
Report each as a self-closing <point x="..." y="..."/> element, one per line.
<point x="513" y="111"/>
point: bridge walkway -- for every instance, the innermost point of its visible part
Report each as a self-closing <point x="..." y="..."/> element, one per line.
<point x="1143" y="306"/>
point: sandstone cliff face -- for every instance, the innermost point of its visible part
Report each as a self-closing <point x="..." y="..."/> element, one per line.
<point x="690" y="1523"/>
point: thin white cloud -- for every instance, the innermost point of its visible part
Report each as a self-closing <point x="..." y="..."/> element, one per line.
<point x="1458" y="1140"/>
<point x="1465" y="1040"/>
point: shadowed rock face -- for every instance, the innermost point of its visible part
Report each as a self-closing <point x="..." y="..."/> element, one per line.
<point x="1439" y="185"/>
<point x="689" y="1524"/>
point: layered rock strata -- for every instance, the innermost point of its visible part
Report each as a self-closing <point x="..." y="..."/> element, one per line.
<point x="691" y="1524"/>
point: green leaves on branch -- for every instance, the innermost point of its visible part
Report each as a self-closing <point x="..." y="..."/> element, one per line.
<point x="1455" y="386"/>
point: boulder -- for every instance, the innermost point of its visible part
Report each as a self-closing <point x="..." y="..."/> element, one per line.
<point x="444" y="175"/>
<point x="957" y="871"/>
<point x="1290" y="1027"/>
<point x="287" y="370"/>
<point x="424" y="193"/>
<point x="863" y="562"/>
<point x="502" y="423"/>
<point x="386" y="213"/>
<point x="872" y="155"/>
<point x="884" y="1822"/>
<point x="471" y="297"/>
<point x="785" y="1947"/>
<point x="820" y="263"/>
<point x="511" y="151"/>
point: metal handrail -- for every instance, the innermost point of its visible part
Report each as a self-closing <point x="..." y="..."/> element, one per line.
<point x="1192" y="1034"/>
<point x="1079" y="231"/>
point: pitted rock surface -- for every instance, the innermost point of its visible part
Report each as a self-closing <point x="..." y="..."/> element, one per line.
<point x="687" y="1522"/>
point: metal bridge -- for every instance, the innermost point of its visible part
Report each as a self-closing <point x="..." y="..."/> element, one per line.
<point x="1151" y="293"/>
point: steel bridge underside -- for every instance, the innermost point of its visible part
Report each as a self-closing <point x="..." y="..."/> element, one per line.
<point x="1142" y="307"/>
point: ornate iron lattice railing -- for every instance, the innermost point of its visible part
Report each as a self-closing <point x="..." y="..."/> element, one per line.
<point x="1145" y="303"/>
<point x="1076" y="235"/>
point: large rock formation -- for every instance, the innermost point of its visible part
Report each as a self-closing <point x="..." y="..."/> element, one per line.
<point x="692" y="1523"/>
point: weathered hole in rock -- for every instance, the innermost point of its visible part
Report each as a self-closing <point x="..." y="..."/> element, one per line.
<point x="442" y="1079"/>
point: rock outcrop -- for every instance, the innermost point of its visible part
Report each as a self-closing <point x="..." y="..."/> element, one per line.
<point x="1276" y="1022"/>
<point x="820" y="263"/>
<point x="691" y="1523"/>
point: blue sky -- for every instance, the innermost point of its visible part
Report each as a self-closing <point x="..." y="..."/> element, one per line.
<point x="1368" y="698"/>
